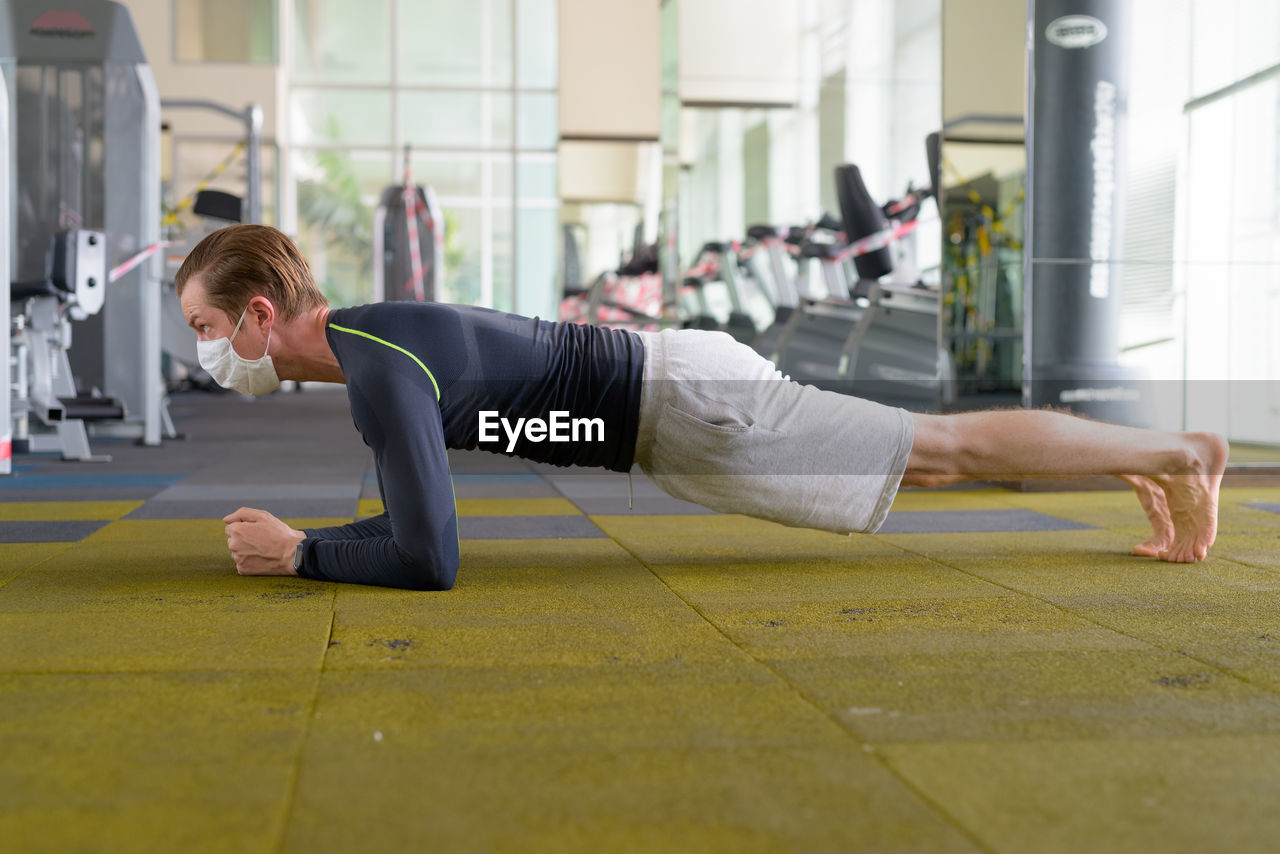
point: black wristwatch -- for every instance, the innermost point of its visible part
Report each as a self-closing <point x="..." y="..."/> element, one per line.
<point x="297" y="556"/>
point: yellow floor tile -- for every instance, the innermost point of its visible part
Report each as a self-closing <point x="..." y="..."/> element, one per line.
<point x="669" y="799"/>
<point x="1169" y="795"/>
<point x="65" y="511"/>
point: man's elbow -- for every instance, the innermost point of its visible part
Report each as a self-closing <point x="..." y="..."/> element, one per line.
<point x="430" y="570"/>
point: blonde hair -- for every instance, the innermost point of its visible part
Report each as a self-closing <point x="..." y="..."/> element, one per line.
<point x="241" y="262"/>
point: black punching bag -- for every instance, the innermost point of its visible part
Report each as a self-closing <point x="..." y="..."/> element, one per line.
<point x="1076" y="174"/>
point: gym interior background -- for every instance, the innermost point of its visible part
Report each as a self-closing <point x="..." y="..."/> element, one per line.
<point x="992" y="672"/>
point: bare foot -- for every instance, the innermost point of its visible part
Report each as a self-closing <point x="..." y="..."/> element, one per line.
<point x="1192" y="494"/>
<point x="1153" y="502"/>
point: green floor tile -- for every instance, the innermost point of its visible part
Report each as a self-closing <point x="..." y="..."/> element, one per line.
<point x="738" y="800"/>
<point x="1094" y="694"/>
<point x="148" y="762"/>
<point x="502" y="638"/>
<point x="721" y="539"/>
<point x="17" y="557"/>
<point x="586" y="710"/>
<point x="852" y="627"/>
<point x="149" y="590"/>
<point x="1195" y="795"/>
<point x="120" y="641"/>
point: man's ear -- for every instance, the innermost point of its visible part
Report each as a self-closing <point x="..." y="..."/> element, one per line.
<point x="261" y="308"/>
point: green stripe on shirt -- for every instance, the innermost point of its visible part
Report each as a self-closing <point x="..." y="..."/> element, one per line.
<point x="434" y="384"/>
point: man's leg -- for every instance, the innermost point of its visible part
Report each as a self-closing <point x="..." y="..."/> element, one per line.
<point x="1186" y="468"/>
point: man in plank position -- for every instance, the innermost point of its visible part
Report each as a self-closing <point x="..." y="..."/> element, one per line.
<point x="705" y="417"/>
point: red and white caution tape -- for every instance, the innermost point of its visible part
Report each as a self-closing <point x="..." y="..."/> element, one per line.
<point x="410" y="197"/>
<point x="880" y="239"/>
<point x="123" y="269"/>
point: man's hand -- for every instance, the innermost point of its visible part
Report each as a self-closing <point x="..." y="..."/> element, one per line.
<point x="260" y="543"/>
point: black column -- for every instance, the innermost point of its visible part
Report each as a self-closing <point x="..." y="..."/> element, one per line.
<point x="1076" y="172"/>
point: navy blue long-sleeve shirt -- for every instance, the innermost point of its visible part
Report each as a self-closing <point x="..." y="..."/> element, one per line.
<point x="418" y="377"/>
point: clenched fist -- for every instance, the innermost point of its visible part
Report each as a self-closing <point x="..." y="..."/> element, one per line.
<point x="260" y="543"/>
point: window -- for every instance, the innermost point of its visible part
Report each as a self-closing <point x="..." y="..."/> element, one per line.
<point x="470" y="90"/>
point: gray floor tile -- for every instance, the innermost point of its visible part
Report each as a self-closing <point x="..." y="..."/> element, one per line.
<point x="526" y="527"/>
<point x="250" y="492"/>
<point x="664" y="506"/>
<point x="103" y="493"/>
<point x="48" y="532"/>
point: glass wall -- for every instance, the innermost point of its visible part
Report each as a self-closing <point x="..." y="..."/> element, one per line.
<point x="1201" y="265"/>
<point x="869" y="92"/>
<point x="1230" y="220"/>
<point x="470" y="91"/>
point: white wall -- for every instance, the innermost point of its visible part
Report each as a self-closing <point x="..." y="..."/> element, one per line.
<point x="739" y="51"/>
<point x="984" y="62"/>
<point x="610" y="68"/>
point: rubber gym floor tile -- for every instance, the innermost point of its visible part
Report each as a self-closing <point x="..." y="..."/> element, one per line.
<point x="962" y="499"/>
<point x="484" y="463"/>
<point x="1174" y="795"/>
<point x="217" y="509"/>
<point x="161" y="589"/>
<point x="605" y="485"/>
<point x="1051" y="569"/>
<point x="1030" y="551"/>
<point x="157" y="532"/>
<point x="909" y="626"/>
<point x="1020" y="696"/>
<point x="583" y="577"/>
<point x="1237" y="630"/>
<point x="506" y="638"/>
<point x="198" y="558"/>
<point x="568" y="554"/>
<point x="975" y="522"/>
<point x="173" y="533"/>
<point x="249" y="492"/>
<point x="538" y="506"/>
<point x="526" y="527"/>
<point x="1255" y="548"/>
<point x="1270" y="508"/>
<point x="80" y="480"/>
<point x="554" y="506"/>
<point x="500" y="710"/>
<point x="723" y="538"/>
<point x="48" y="532"/>
<point x="663" y="506"/>
<point x="64" y="511"/>
<point x="117" y="641"/>
<point x="148" y="762"/>
<point x="874" y="573"/>
<point x="498" y="479"/>
<point x="17" y="557"/>
<point x="112" y="493"/>
<point x="829" y="798"/>
<point x="505" y="487"/>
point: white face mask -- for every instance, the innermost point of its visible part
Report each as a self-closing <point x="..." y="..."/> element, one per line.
<point x="231" y="370"/>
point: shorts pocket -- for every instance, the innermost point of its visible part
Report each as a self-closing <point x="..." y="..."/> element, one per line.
<point x="691" y="444"/>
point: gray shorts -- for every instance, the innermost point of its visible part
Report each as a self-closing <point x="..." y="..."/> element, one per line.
<point x="721" y="427"/>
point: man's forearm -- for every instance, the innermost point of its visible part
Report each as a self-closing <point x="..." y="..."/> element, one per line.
<point x="381" y="561"/>
<point x="375" y="526"/>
